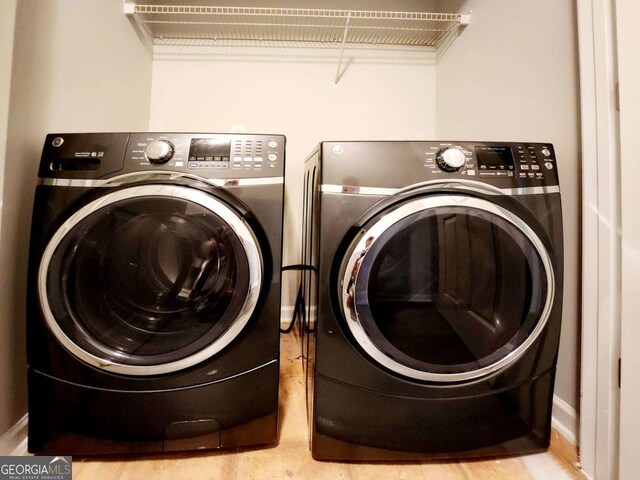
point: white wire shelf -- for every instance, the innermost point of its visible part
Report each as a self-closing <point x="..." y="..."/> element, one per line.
<point x="300" y="25"/>
<point x="354" y="27"/>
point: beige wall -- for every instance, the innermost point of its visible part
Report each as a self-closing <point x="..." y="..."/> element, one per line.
<point x="78" y="66"/>
<point x="7" y="24"/>
<point x="513" y="75"/>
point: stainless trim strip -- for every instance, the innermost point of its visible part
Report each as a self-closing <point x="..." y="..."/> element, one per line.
<point x="351" y="270"/>
<point x="355" y="190"/>
<point x="238" y="225"/>
<point x="470" y="184"/>
<point x="158" y="175"/>
<point x="533" y="190"/>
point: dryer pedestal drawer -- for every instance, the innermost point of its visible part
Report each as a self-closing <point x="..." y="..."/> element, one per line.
<point x="387" y="427"/>
<point x="68" y="419"/>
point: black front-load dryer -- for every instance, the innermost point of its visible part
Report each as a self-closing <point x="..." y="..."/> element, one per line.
<point x="433" y="314"/>
<point x="154" y="292"/>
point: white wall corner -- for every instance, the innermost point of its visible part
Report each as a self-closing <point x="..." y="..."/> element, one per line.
<point x="565" y="420"/>
<point x="14" y="441"/>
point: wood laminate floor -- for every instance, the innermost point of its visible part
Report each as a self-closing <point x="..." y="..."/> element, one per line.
<point x="291" y="459"/>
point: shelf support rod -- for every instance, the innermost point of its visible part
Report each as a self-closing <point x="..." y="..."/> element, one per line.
<point x="344" y="40"/>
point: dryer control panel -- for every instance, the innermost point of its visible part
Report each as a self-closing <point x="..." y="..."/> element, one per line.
<point x="208" y="155"/>
<point x="398" y="164"/>
<point x="518" y="161"/>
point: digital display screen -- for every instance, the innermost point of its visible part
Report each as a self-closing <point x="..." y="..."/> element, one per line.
<point x="210" y="150"/>
<point x="494" y="157"/>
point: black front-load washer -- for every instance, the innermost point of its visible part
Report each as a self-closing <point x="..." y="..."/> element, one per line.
<point x="154" y="292"/>
<point x="433" y="316"/>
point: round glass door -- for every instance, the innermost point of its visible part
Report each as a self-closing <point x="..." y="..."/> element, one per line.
<point x="150" y="279"/>
<point x="446" y="288"/>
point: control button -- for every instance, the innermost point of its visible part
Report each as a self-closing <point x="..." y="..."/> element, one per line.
<point x="522" y="175"/>
<point x="237" y="165"/>
<point x="535" y="167"/>
<point x="272" y="157"/>
<point x="524" y="167"/>
<point x="208" y="159"/>
<point x="450" y="159"/>
<point x="57" y="141"/>
<point x="200" y="159"/>
<point x="192" y="159"/>
<point x="471" y="172"/>
<point x="548" y="165"/>
<point x="247" y="165"/>
<point x="248" y="159"/>
<point x="272" y="165"/>
<point x="225" y="159"/>
<point x="532" y="175"/>
<point x="546" y="152"/>
<point x="257" y="159"/>
<point x="237" y="159"/>
<point x="273" y="144"/>
<point x="193" y="165"/>
<point x="159" y="151"/>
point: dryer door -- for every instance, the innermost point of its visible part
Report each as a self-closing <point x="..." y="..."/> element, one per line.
<point x="150" y="279"/>
<point x="446" y="288"/>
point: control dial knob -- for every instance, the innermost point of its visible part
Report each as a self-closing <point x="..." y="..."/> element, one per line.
<point x="159" y="151"/>
<point x="450" y="159"/>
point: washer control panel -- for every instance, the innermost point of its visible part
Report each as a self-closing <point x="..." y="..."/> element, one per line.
<point x="208" y="155"/>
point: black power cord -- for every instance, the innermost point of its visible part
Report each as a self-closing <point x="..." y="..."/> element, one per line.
<point x="299" y="309"/>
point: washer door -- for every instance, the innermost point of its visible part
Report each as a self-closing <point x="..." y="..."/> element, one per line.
<point x="150" y="279"/>
<point x="446" y="288"/>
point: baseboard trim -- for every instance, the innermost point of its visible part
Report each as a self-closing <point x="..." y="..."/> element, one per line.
<point x="286" y="314"/>
<point x="565" y="420"/>
<point x="14" y="441"/>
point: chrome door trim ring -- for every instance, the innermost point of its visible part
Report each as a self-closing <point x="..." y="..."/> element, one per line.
<point x="238" y="225"/>
<point x="469" y="184"/>
<point x="152" y="175"/>
<point x="414" y="206"/>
